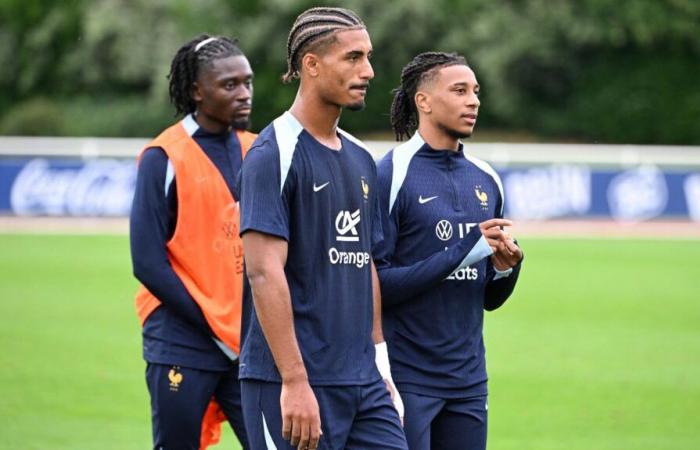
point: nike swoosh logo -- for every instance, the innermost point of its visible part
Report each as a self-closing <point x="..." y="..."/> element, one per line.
<point x="318" y="188"/>
<point x="425" y="200"/>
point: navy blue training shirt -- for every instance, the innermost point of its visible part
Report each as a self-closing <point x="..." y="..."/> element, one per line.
<point x="176" y="332"/>
<point x="434" y="268"/>
<point x="323" y="202"/>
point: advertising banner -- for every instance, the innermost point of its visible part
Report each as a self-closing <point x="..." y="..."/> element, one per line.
<point x="49" y="187"/>
<point x="104" y="187"/>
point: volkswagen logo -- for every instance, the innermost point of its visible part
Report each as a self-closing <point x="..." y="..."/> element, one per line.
<point x="443" y="230"/>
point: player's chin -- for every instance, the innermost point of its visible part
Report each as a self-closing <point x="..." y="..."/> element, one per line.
<point x="461" y="132"/>
<point x="241" y="123"/>
<point x="358" y="105"/>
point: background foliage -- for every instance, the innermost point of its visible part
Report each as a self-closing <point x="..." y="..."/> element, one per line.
<point x="588" y="70"/>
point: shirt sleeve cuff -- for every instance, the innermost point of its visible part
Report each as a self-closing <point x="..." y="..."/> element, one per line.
<point x="480" y="251"/>
<point x="502" y="273"/>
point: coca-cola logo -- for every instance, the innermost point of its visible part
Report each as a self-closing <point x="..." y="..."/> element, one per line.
<point x="100" y="187"/>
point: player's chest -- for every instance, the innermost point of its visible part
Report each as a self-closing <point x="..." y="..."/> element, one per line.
<point x="336" y="191"/>
<point x="445" y="204"/>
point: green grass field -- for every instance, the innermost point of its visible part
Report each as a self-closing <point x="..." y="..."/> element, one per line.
<point x="599" y="348"/>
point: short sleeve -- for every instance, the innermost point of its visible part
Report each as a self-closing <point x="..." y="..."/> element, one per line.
<point x="264" y="203"/>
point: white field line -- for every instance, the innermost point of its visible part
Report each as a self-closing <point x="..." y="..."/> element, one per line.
<point x="551" y="229"/>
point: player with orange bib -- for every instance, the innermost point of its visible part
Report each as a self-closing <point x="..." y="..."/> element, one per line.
<point x="186" y="249"/>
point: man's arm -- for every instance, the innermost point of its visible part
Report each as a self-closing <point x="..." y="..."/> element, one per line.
<point x="402" y="283"/>
<point x="266" y="256"/>
<point x="148" y="239"/>
<point x="265" y="231"/>
<point x="381" y="353"/>
<point x="504" y="267"/>
<point x="505" y="262"/>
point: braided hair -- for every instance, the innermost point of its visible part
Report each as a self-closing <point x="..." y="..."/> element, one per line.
<point x="189" y="61"/>
<point x="423" y="68"/>
<point x="313" y="29"/>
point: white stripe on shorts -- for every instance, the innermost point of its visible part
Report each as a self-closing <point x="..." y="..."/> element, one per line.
<point x="269" y="443"/>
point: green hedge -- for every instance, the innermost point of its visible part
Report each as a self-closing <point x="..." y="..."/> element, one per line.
<point x="623" y="97"/>
<point x="591" y="70"/>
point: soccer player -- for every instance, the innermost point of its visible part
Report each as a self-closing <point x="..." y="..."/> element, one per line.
<point x="444" y="258"/>
<point x="309" y="377"/>
<point x="186" y="249"/>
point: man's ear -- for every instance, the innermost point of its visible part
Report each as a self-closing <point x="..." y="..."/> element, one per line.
<point x="310" y="64"/>
<point x="196" y="93"/>
<point x="422" y="100"/>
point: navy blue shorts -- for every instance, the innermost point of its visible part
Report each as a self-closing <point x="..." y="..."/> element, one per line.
<point x="179" y="398"/>
<point x="445" y="424"/>
<point x="352" y="417"/>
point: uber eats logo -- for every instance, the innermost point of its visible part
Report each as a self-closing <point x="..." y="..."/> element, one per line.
<point x="346" y="223"/>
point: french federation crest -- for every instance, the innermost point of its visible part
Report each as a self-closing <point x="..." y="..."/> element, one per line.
<point x="482" y="196"/>
<point x="175" y="377"/>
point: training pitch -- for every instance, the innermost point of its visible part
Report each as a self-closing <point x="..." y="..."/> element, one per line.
<point x="599" y="348"/>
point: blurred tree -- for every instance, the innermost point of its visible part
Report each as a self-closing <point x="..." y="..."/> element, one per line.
<point x="594" y="70"/>
<point x="35" y="117"/>
<point x="34" y="35"/>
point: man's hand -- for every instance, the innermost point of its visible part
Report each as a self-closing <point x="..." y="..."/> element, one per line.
<point x="381" y="359"/>
<point x="506" y="252"/>
<point x="395" y="398"/>
<point x="266" y="256"/>
<point x="493" y="232"/>
<point x="301" y="419"/>
<point x="507" y="255"/>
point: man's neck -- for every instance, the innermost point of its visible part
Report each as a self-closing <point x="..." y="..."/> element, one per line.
<point x="437" y="139"/>
<point x="318" y="118"/>
<point x="209" y="125"/>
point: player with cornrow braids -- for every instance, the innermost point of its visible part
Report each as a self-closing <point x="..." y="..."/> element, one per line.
<point x="313" y="31"/>
<point x="404" y="116"/>
<point x="444" y="258"/>
<point x="186" y="251"/>
<point x="314" y="366"/>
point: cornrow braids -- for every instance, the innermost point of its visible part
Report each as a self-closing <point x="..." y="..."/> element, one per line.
<point x="312" y="28"/>
<point x="189" y="61"/>
<point x="423" y="68"/>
